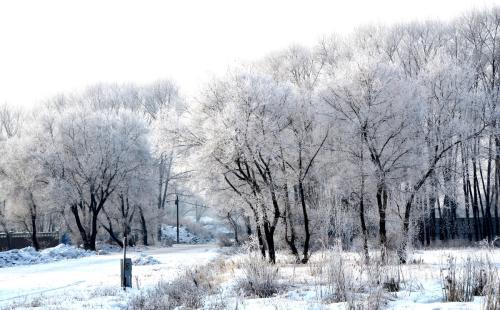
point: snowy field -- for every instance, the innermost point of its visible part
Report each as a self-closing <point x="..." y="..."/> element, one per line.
<point x="85" y="282"/>
<point x="92" y="282"/>
<point x="421" y="282"/>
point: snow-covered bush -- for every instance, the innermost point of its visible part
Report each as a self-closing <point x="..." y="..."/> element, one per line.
<point x="471" y="277"/>
<point x="260" y="278"/>
<point x="223" y="240"/>
<point x="344" y="277"/>
<point x="29" y="256"/>
<point x="335" y="276"/>
<point x="187" y="291"/>
<point x="491" y="299"/>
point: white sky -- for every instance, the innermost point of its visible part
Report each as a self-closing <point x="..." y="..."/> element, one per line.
<point x="50" y="46"/>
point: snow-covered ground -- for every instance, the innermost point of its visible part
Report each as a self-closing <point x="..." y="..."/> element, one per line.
<point x="29" y="256"/>
<point x="92" y="282"/>
<point x="422" y="284"/>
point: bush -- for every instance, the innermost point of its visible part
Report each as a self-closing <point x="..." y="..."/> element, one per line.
<point x="361" y="285"/>
<point x="224" y="241"/>
<point x="492" y="296"/>
<point x="260" y="277"/>
<point x="188" y="291"/>
<point x="461" y="282"/>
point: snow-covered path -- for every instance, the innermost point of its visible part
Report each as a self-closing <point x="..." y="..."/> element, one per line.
<point x="97" y="271"/>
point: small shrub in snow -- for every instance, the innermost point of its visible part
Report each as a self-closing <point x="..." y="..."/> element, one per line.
<point x="361" y="285"/>
<point x="187" y="291"/>
<point x="463" y="281"/>
<point x="337" y="276"/>
<point x="491" y="299"/>
<point x="224" y="241"/>
<point x="260" y="278"/>
<point x="104" y="291"/>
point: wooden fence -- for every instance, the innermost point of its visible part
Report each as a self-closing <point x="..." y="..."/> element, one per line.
<point x="19" y="240"/>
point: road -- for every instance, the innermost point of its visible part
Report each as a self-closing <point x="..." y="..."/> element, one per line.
<point x="98" y="271"/>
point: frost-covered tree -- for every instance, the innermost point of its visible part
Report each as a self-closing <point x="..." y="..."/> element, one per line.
<point x="93" y="155"/>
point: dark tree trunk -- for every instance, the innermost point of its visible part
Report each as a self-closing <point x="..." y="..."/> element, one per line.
<point x="475" y="211"/>
<point x="248" y="226"/>
<point x="307" y="232"/>
<point x="364" y="229"/>
<point x="382" y="206"/>
<point x="81" y="229"/>
<point x="262" y="246"/>
<point x="144" y="227"/>
<point x="289" y="225"/>
<point x="93" y="234"/>
<point x="34" y="238"/>
<point x="269" y="234"/>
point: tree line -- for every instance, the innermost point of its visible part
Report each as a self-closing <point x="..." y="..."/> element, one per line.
<point x="376" y="138"/>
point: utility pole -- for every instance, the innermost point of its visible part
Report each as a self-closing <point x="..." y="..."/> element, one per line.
<point x="177" y="207"/>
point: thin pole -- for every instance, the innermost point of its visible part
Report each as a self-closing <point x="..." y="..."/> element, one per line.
<point x="177" y="207"/>
<point x="124" y="282"/>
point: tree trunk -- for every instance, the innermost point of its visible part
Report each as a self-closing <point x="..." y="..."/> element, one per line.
<point x="363" y="227"/>
<point x="248" y="226"/>
<point x="93" y="234"/>
<point x="144" y="227"/>
<point x="261" y="241"/>
<point x="81" y="229"/>
<point x="382" y="205"/>
<point x="269" y="234"/>
<point x="465" y="179"/>
<point x="288" y="222"/>
<point x="307" y="232"/>
<point x="34" y="237"/>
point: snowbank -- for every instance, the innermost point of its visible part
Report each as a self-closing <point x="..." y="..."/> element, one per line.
<point x="29" y="256"/>
<point x="170" y="233"/>
<point x="144" y="260"/>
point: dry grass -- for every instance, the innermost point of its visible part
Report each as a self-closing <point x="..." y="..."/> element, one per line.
<point x="473" y="276"/>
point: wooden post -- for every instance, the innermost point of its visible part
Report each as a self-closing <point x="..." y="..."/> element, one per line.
<point x="124" y="281"/>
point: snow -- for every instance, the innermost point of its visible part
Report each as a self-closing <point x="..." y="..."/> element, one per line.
<point x="92" y="282"/>
<point x="144" y="260"/>
<point x="29" y="256"/>
<point x="169" y="232"/>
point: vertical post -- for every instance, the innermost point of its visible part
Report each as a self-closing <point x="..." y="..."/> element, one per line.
<point x="177" y="207"/>
<point x="124" y="281"/>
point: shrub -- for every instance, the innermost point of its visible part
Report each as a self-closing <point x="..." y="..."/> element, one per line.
<point x="259" y="277"/>
<point x="461" y="282"/>
<point x="335" y="277"/>
<point x="340" y="278"/>
<point x="491" y="299"/>
<point x="224" y="241"/>
<point x="188" y="291"/>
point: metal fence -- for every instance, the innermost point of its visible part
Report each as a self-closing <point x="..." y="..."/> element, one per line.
<point x="19" y="240"/>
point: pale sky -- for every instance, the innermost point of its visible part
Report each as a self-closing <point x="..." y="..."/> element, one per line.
<point x="48" y="47"/>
